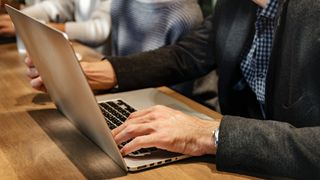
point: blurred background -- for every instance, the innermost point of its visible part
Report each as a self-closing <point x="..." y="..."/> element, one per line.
<point x="206" y="5"/>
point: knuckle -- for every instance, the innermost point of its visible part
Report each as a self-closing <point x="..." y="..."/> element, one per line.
<point x="153" y="115"/>
<point x="130" y="129"/>
<point x="132" y="115"/>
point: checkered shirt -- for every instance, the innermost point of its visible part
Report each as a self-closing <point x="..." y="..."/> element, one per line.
<point x="255" y="60"/>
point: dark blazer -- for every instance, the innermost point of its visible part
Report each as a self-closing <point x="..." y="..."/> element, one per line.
<point x="289" y="143"/>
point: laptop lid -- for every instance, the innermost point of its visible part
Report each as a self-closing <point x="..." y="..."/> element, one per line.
<point x="62" y="75"/>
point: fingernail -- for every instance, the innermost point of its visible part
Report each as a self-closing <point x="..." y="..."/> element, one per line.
<point x="34" y="83"/>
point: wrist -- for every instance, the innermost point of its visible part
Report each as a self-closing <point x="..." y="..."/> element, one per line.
<point x="215" y="137"/>
<point x="113" y="77"/>
<point x="210" y="142"/>
<point x="100" y="75"/>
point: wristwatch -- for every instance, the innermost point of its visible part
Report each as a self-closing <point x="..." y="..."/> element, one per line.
<point x="215" y="136"/>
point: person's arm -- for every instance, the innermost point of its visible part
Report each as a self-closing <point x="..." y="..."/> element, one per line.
<point x="46" y="11"/>
<point x="249" y="145"/>
<point x="60" y="26"/>
<point x="60" y="14"/>
<point x="189" y="58"/>
<point x="100" y="75"/>
<point x="96" y="29"/>
<point x="268" y="147"/>
<point x="58" y="11"/>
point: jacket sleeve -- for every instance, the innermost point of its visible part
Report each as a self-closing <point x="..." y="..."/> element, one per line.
<point x="268" y="147"/>
<point x="187" y="59"/>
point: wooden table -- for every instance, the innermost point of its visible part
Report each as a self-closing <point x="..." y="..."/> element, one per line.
<point x="38" y="142"/>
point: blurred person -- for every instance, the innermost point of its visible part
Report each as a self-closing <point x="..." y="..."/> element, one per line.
<point x="6" y="26"/>
<point x="143" y="25"/>
<point x="87" y="21"/>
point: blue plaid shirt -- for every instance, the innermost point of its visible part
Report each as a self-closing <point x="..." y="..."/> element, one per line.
<point x="255" y="61"/>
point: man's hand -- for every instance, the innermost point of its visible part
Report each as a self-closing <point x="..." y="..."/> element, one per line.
<point x="167" y="129"/>
<point x="6" y="26"/>
<point x="100" y="75"/>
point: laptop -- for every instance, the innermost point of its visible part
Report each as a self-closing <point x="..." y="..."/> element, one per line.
<point x="67" y="86"/>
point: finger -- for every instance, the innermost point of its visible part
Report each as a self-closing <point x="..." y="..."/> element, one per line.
<point x="5" y="17"/>
<point x="2" y="30"/>
<point x="28" y="62"/>
<point x="41" y="86"/>
<point x="32" y="73"/>
<point x="6" y="30"/>
<point x="146" y="141"/>
<point x="129" y="122"/>
<point x="3" y="24"/>
<point x="37" y="83"/>
<point x="132" y="131"/>
<point x="140" y="113"/>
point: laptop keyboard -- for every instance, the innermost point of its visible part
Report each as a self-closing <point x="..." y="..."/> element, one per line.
<point x="115" y="113"/>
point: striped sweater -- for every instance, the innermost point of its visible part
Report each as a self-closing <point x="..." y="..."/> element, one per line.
<point x="141" y="26"/>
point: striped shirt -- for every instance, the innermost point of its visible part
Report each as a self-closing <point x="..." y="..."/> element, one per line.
<point x="140" y="26"/>
<point x="255" y="61"/>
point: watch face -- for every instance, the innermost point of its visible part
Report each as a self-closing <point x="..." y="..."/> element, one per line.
<point x="216" y="136"/>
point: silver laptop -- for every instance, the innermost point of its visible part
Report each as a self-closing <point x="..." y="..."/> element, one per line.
<point x="67" y="86"/>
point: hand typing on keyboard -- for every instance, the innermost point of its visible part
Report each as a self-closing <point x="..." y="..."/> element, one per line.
<point x="167" y="129"/>
<point x="116" y="113"/>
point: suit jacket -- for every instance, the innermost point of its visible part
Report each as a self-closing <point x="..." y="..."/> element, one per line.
<point x="288" y="144"/>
